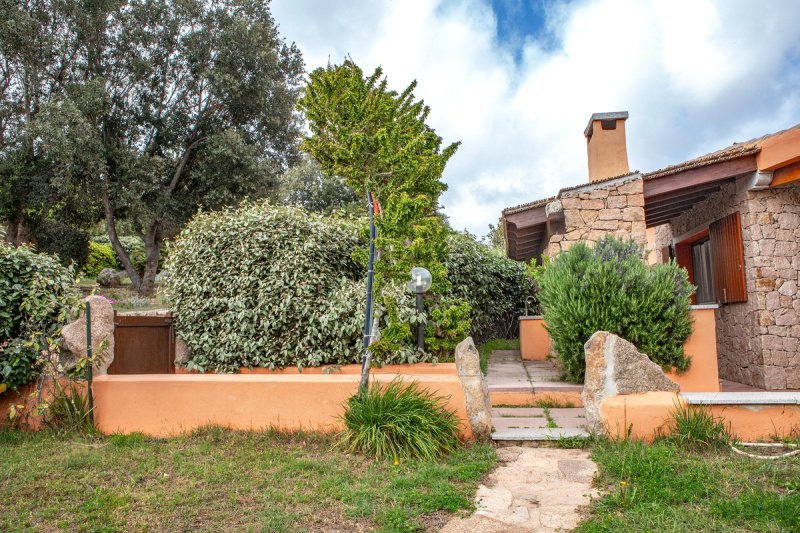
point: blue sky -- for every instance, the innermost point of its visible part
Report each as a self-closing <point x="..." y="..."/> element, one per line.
<point x="516" y="81"/>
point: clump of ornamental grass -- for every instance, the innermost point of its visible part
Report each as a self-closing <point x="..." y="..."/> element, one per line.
<point x="400" y="420"/>
<point x="696" y="426"/>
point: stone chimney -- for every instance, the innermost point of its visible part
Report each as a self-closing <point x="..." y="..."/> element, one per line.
<point x="606" y="146"/>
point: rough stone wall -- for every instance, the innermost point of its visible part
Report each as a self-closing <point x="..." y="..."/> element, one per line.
<point x="592" y="211"/>
<point x="758" y="341"/>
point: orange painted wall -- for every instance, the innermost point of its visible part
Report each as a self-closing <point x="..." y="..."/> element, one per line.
<point x="607" y="151"/>
<point x="703" y="374"/>
<point x="642" y="416"/>
<point x="534" y="341"/>
<point x="410" y="370"/>
<point x="170" y="404"/>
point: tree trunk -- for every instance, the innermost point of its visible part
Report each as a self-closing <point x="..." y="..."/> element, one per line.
<point x="152" y="243"/>
<point x="111" y="229"/>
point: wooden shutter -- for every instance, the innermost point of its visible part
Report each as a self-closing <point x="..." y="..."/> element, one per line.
<point x="728" y="258"/>
<point x="683" y="255"/>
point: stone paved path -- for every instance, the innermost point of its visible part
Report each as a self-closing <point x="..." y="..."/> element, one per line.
<point x="508" y="373"/>
<point x="532" y="489"/>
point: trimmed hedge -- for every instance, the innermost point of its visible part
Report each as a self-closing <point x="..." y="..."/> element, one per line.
<point x="267" y="286"/>
<point x="611" y="288"/>
<point x="494" y="286"/>
<point x="36" y="297"/>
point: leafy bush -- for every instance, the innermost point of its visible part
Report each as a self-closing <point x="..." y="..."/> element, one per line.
<point x="399" y="421"/>
<point x="494" y="286"/>
<point x="100" y="256"/>
<point x="36" y="295"/>
<point x="131" y="244"/>
<point x="70" y="244"/>
<point x="268" y="287"/>
<point x="610" y="288"/>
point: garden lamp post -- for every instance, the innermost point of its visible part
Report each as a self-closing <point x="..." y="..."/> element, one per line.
<point x="420" y="283"/>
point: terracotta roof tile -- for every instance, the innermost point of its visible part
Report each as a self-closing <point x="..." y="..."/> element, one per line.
<point x="529" y="205"/>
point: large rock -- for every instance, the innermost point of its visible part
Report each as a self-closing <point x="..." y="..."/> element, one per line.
<point x="74" y="334"/>
<point x="476" y="390"/>
<point x="615" y="366"/>
<point x="108" y="277"/>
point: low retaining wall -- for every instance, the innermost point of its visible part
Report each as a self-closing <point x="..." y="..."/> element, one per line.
<point x="748" y="416"/>
<point x="170" y="404"/>
<point x="702" y="376"/>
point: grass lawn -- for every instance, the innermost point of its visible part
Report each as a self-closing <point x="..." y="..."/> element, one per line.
<point x="664" y="487"/>
<point x="485" y="350"/>
<point x="222" y="480"/>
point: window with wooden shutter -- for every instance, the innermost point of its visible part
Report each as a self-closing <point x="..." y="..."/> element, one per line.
<point x="728" y="257"/>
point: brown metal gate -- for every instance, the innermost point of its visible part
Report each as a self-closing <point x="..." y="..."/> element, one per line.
<point x="143" y="345"/>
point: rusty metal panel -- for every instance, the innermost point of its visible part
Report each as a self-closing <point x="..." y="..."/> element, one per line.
<point x="143" y="345"/>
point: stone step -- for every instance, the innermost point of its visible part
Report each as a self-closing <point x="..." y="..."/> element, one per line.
<point x="742" y="398"/>
<point x="538" y="434"/>
<point x="506" y="423"/>
<point x="507" y="353"/>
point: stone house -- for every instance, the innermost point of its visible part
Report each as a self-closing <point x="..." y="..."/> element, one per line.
<point x="731" y="218"/>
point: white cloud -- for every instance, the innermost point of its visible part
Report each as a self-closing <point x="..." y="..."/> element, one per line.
<point x="694" y="75"/>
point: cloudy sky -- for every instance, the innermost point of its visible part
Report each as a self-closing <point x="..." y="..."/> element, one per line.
<point x="516" y="80"/>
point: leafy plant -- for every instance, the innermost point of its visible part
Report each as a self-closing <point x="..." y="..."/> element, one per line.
<point x="399" y="421"/>
<point x="494" y="286"/>
<point x="610" y="288"/>
<point x="267" y="286"/>
<point x="69" y="409"/>
<point x="133" y="246"/>
<point x="696" y="425"/>
<point x="36" y="295"/>
<point x="100" y="256"/>
<point x="378" y="141"/>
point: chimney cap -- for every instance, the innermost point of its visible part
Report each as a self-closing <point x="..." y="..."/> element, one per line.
<point x="614" y="115"/>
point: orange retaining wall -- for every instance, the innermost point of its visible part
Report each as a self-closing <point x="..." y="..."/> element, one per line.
<point x="534" y="341"/>
<point x="170" y="404"/>
<point x="642" y="416"/>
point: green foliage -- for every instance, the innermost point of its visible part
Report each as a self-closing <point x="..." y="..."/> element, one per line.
<point x="68" y="242"/>
<point x="142" y="111"/>
<point x="100" y="256"/>
<point x="306" y="185"/>
<point x="36" y="295"/>
<point x="267" y="286"/>
<point x="69" y="410"/>
<point x="698" y="427"/>
<point x="133" y="246"/>
<point x="399" y="421"/>
<point x="494" y="286"/>
<point x="610" y="288"/>
<point x="378" y="141"/>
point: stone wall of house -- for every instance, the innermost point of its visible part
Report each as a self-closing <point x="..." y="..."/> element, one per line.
<point x="593" y="210"/>
<point x="758" y="341"/>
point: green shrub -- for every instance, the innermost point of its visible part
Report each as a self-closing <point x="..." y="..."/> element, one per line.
<point x="610" y="288"/>
<point x="399" y="421"/>
<point x="70" y="244"/>
<point x="131" y="244"/>
<point x="266" y="286"/>
<point x="494" y="286"/>
<point x="100" y="256"/>
<point x="36" y="296"/>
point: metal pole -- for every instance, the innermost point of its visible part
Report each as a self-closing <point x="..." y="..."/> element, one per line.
<point x="365" y="358"/>
<point x="89" y="359"/>
<point x="420" y="326"/>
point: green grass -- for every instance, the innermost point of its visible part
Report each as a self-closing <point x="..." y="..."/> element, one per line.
<point x="217" y="479"/>
<point x="485" y="350"/>
<point x="667" y="487"/>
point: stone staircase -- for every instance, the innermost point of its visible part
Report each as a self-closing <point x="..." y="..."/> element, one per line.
<point x="530" y="402"/>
